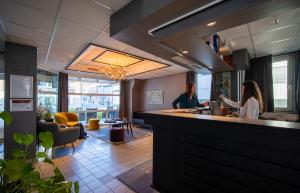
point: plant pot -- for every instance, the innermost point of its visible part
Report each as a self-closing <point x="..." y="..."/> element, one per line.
<point x="50" y="120"/>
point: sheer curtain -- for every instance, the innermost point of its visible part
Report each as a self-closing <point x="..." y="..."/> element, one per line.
<point x="261" y="72"/>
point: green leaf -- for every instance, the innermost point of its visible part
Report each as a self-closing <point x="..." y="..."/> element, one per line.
<point x="13" y="169"/>
<point x="41" y="154"/>
<point x="58" y="177"/>
<point x="47" y="160"/>
<point x="76" y="187"/>
<point x="27" y="139"/>
<point x="17" y="153"/>
<point x="2" y="163"/>
<point x="27" y="169"/>
<point x="7" y="117"/>
<point x="46" y="139"/>
<point x="18" y="138"/>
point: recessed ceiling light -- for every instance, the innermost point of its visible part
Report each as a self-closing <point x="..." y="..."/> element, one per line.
<point x="71" y="56"/>
<point x="185" y="52"/>
<point x="275" y="21"/>
<point x="211" y="24"/>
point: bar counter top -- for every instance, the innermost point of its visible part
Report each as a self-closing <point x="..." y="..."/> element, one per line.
<point x="188" y="113"/>
<point x="215" y="154"/>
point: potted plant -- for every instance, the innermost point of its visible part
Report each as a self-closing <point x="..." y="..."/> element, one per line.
<point x="43" y="114"/>
<point x="19" y="174"/>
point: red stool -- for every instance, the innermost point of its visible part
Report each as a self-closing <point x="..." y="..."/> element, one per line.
<point x="117" y="134"/>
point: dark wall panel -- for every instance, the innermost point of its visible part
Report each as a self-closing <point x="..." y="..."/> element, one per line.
<point x="19" y="60"/>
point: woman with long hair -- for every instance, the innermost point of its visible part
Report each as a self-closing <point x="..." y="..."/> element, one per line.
<point x="188" y="99"/>
<point x="251" y="104"/>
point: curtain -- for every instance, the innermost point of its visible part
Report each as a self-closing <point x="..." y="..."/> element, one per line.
<point x="213" y="94"/>
<point x="122" y="109"/>
<point x="63" y="92"/>
<point x="190" y="77"/>
<point x="261" y="72"/>
<point x="297" y="82"/>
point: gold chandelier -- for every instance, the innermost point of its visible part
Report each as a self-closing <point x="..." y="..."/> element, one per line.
<point x="115" y="72"/>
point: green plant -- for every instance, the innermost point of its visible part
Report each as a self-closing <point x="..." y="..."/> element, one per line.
<point x="19" y="174"/>
<point x="43" y="113"/>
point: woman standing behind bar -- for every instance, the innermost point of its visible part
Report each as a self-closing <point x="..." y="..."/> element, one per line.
<point x="252" y="102"/>
<point x="188" y="99"/>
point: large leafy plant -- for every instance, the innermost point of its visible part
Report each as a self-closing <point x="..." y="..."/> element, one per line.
<point x="19" y="174"/>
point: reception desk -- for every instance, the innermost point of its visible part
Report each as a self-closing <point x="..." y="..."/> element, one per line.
<point x="215" y="154"/>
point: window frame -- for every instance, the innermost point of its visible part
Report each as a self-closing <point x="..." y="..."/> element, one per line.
<point x="290" y="84"/>
<point x="99" y="81"/>
<point x="40" y="91"/>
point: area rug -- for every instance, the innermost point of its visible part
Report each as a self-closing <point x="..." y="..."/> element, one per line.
<point x="104" y="134"/>
<point x="139" y="178"/>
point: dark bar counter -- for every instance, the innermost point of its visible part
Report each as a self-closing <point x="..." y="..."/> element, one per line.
<point x="215" y="154"/>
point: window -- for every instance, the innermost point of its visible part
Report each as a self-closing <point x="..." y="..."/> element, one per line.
<point x="282" y="83"/>
<point x="93" y="98"/>
<point x="203" y="87"/>
<point x="47" y="90"/>
<point x="279" y="70"/>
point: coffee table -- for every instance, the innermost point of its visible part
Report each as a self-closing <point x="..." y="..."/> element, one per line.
<point x="128" y="125"/>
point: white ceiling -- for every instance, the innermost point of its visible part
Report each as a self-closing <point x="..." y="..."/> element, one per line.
<point x="61" y="29"/>
<point x="263" y="37"/>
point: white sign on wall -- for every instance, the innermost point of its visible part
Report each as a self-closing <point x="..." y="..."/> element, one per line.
<point x="21" y="105"/>
<point x="21" y="86"/>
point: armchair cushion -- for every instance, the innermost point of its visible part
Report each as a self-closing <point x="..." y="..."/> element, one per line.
<point x="69" y="119"/>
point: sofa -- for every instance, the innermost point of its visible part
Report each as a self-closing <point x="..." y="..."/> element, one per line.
<point x="62" y="135"/>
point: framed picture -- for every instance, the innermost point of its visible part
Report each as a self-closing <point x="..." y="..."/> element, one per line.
<point x="155" y="97"/>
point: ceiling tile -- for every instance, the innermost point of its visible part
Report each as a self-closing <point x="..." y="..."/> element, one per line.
<point x="45" y="5"/>
<point x="115" y="5"/>
<point x="13" y="12"/>
<point x="285" y="19"/>
<point x="23" y="32"/>
<point x="75" y="30"/>
<point x="85" y="13"/>
<point x="68" y="43"/>
<point x="278" y="35"/>
<point x="235" y="33"/>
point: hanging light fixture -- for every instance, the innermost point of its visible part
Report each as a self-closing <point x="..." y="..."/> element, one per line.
<point x="115" y="71"/>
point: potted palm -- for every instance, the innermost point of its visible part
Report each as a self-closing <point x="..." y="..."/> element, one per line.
<point x="19" y="174"/>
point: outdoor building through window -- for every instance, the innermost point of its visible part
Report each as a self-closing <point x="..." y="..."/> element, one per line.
<point x="94" y="98"/>
<point x="47" y="84"/>
<point x="280" y="73"/>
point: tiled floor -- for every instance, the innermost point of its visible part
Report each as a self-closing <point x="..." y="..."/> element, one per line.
<point x="96" y="163"/>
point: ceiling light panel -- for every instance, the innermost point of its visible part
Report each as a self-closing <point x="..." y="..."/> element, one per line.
<point x="94" y="59"/>
<point x="116" y="58"/>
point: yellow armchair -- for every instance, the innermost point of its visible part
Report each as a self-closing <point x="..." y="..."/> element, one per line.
<point x="68" y="119"/>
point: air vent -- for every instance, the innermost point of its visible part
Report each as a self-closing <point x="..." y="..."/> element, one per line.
<point x="93" y="69"/>
<point x="206" y="6"/>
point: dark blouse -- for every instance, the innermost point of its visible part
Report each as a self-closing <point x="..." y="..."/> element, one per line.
<point x="185" y="102"/>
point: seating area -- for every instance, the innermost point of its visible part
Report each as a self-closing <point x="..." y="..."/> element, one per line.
<point x="125" y="96"/>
